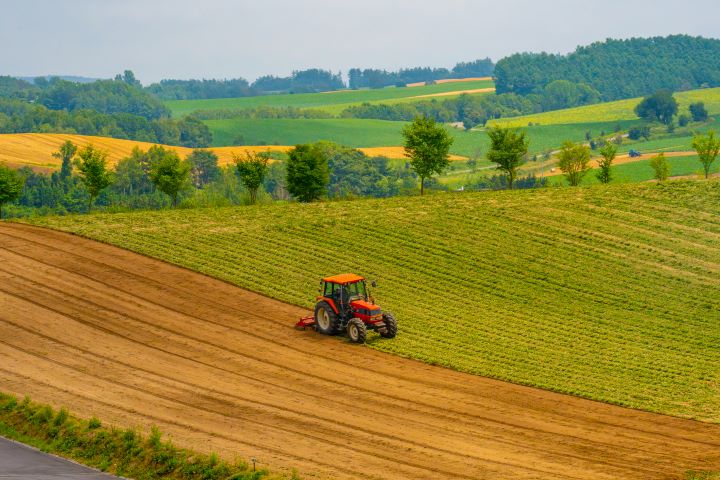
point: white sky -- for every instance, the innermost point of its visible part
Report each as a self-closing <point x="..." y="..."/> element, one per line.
<point x="227" y="39"/>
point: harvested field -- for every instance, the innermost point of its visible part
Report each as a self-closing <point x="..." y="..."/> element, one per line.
<point x="452" y="80"/>
<point x="136" y="341"/>
<point x="458" y="92"/>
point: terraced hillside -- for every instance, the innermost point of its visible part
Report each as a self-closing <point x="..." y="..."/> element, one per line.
<point x="609" y="293"/>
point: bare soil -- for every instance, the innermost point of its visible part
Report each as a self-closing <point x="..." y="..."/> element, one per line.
<point x="136" y="341"/>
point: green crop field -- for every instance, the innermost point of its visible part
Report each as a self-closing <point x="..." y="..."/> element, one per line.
<point x="607" y="292"/>
<point x="332" y="102"/>
<point x="611" y="111"/>
<point x="357" y="133"/>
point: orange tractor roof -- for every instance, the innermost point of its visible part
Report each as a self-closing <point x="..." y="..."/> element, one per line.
<point x="344" y="278"/>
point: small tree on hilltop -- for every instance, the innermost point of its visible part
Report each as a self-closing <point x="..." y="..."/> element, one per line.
<point x="508" y="147"/>
<point x="93" y="171"/>
<point x="608" y="152"/>
<point x="169" y="174"/>
<point x="307" y="172"/>
<point x="707" y="148"/>
<point x="661" y="167"/>
<point x="427" y="144"/>
<point x="660" y="106"/>
<point x="252" y="169"/>
<point x="11" y="185"/>
<point x="65" y="154"/>
<point x="574" y="161"/>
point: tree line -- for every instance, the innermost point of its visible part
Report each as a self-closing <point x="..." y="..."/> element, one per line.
<point x="18" y="116"/>
<point x="158" y="177"/>
<point x="376" y="78"/>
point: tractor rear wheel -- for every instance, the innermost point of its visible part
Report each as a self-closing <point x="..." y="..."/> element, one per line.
<point x="326" y="321"/>
<point x="356" y="330"/>
<point x="390" y="325"/>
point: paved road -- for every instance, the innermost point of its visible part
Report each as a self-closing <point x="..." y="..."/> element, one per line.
<point x="20" y="462"/>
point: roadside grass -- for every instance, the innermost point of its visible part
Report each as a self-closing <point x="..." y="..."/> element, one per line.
<point x="123" y="452"/>
<point x="331" y="102"/>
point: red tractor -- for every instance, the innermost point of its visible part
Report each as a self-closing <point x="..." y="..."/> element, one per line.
<point x="344" y="305"/>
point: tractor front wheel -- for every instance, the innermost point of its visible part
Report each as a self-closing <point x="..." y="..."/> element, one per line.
<point x="326" y="321"/>
<point x="356" y="330"/>
<point x="390" y="326"/>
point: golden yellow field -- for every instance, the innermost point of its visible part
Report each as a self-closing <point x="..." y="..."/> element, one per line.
<point x="457" y="92"/>
<point x="36" y="149"/>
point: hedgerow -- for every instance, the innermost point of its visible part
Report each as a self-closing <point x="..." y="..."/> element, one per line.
<point x="124" y="452"/>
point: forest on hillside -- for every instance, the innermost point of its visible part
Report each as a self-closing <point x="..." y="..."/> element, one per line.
<point x="618" y="69"/>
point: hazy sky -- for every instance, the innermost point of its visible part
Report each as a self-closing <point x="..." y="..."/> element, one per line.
<point x="231" y="38"/>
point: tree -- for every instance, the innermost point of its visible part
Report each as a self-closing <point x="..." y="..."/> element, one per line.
<point x="203" y="167"/>
<point x="660" y="106"/>
<point x="11" y="185"/>
<point x="169" y="174"/>
<point x="574" y="161"/>
<point x="427" y="144"/>
<point x="93" y="171"/>
<point x="507" y="149"/>
<point x="307" y="172"/>
<point x="661" y="167"/>
<point x="707" y="147"/>
<point x="252" y="170"/>
<point x="698" y="112"/>
<point x="608" y="152"/>
<point x="65" y="154"/>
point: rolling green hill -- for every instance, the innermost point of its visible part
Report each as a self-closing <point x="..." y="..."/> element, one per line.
<point x="607" y="292"/>
<point x="332" y="102"/>
<point x="611" y="111"/>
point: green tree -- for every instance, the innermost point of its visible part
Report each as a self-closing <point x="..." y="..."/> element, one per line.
<point x="574" y="161"/>
<point x="169" y="173"/>
<point x="661" y="167"/>
<point x="307" y="172"/>
<point x="252" y="169"/>
<point x="608" y="152"/>
<point x="660" y="106"/>
<point x="427" y="144"/>
<point x="93" y="171"/>
<point x="11" y="185"/>
<point x="203" y="167"/>
<point x="507" y="149"/>
<point x="65" y="154"/>
<point x="698" y="112"/>
<point x="707" y="148"/>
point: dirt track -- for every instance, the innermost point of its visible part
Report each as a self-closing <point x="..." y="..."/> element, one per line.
<point x="138" y="342"/>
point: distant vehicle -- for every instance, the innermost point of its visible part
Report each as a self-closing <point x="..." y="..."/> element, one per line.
<point x="344" y="305"/>
<point x="634" y="153"/>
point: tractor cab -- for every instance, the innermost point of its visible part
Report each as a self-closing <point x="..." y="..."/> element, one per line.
<point x="347" y="291"/>
<point x="345" y="304"/>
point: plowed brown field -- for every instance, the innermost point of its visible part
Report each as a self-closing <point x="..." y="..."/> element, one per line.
<point x="136" y="341"/>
